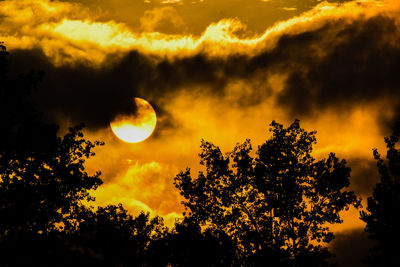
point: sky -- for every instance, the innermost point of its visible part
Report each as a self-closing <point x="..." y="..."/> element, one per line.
<point x="219" y="70"/>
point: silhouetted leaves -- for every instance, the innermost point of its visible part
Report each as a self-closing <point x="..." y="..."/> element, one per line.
<point x="275" y="206"/>
<point x="188" y="245"/>
<point x="112" y="237"/>
<point x="42" y="176"/>
<point x="382" y="216"/>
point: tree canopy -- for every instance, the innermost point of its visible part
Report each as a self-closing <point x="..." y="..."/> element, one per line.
<point x="43" y="178"/>
<point x="382" y="215"/>
<point x="43" y="187"/>
<point x="276" y="204"/>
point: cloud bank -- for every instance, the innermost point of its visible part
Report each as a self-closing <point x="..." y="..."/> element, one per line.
<point x="335" y="56"/>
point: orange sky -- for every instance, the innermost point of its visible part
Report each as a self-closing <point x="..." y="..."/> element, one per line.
<point x="231" y="66"/>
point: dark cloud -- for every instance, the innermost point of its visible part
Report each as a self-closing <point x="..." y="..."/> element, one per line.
<point x="81" y="93"/>
<point x="364" y="175"/>
<point x="360" y="65"/>
<point x="96" y="95"/>
<point x="338" y="65"/>
<point x="351" y="247"/>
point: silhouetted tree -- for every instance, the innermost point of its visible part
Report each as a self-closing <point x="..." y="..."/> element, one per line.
<point x="112" y="237"/>
<point x="43" y="185"/>
<point x="42" y="176"/>
<point x="383" y="210"/>
<point x="187" y="245"/>
<point x="275" y="206"/>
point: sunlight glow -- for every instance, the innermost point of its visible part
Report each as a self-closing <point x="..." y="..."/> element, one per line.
<point x="138" y="127"/>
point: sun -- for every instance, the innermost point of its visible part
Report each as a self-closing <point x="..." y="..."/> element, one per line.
<point x="137" y="127"/>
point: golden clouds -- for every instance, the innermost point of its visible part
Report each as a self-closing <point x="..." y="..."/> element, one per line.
<point x="69" y="33"/>
<point x="105" y="35"/>
<point x="164" y="19"/>
<point x="171" y="2"/>
<point x="26" y="24"/>
<point x="143" y="187"/>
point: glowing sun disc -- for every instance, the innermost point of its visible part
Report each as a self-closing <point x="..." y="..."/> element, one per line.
<point x="137" y="127"/>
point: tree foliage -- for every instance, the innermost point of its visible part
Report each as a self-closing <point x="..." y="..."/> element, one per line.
<point x="43" y="181"/>
<point x="274" y="205"/>
<point x="42" y="175"/>
<point x="110" y="236"/>
<point x="43" y="187"/>
<point x="187" y="245"/>
<point x="382" y="216"/>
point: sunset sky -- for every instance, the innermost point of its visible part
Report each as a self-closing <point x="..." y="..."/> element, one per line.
<point x="219" y="70"/>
